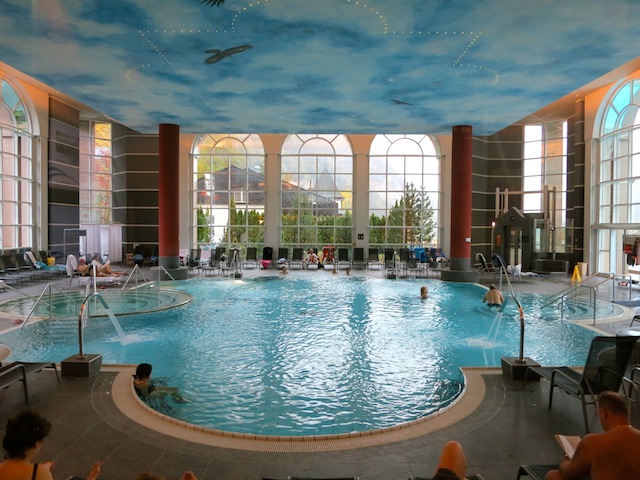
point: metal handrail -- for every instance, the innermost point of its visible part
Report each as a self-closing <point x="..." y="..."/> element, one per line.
<point x="593" y="293"/>
<point x="50" y="303"/>
<point x="573" y="288"/>
<point x="622" y="278"/>
<point x="136" y="269"/>
<point x="513" y="295"/>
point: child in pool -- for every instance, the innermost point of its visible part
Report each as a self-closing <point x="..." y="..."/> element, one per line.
<point x="146" y="389"/>
<point x="424" y="292"/>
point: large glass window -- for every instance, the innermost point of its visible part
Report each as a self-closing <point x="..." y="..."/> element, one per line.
<point x="16" y="172"/>
<point x="228" y="191"/>
<point x="404" y="191"/>
<point x="95" y="173"/>
<point x="618" y="171"/>
<point x="316" y="191"/>
<point x="545" y="174"/>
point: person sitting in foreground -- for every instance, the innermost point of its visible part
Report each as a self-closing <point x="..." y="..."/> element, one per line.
<point x="609" y="455"/>
<point x="452" y="463"/>
<point x="424" y="292"/>
<point x="493" y="297"/>
<point x="22" y="442"/>
<point x="146" y="389"/>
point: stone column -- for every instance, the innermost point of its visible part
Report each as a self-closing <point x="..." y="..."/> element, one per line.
<point x="168" y="200"/>
<point x="461" y="169"/>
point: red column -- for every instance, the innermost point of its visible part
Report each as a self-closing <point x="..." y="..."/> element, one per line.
<point x="461" y="168"/>
<point x="168" y="198"/>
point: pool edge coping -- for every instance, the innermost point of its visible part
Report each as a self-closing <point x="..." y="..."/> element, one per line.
<point x="130" y="405"/>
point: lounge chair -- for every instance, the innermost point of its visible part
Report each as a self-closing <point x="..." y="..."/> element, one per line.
<point x="267" y="257"/>
<point x="194" y="258"/>
<point x="358" y="258"/>
<point x="72" y="268"/>
<point x="604" y="369"/>
<point x="537" y="472"/>
<point x="297" y="258"/>
<point x="389" y="258"/>
<point x="19" y="371"/>
<point x="283" y="257"/>
<point x="374" y="262"/>
<point x="251" y="260"/>
<point x="343" y="258"/>
<point x="11" y="271"/>
<point x="28" y="267"/>
<point x="414" y="269"/>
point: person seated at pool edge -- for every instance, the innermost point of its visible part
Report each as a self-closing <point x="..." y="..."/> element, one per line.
<point x="311" y="257"/>
<point x="608" y="455"/>
<point x="146" y="389"/>
<point x="22" y="442"/>
<point x="83" y="268"/>
<point x="104" y="270"/>
<point x="493" y="298"/>
<point x="424" y="292"/>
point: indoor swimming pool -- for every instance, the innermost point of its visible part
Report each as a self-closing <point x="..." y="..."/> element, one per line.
<point x="314" y="354"/>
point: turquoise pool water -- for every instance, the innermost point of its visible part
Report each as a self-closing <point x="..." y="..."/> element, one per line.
<point x="313" y="354"/>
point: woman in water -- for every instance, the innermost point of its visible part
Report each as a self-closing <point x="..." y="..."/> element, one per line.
<point x="424" y="292"/>
<point x="146" y="389"/>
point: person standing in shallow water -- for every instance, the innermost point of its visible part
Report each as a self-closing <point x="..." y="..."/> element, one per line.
<point x="493" y="298"/>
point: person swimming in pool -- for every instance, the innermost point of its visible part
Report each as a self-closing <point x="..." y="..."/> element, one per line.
<point x="424" y="292"/>
<point x="493" y="298"/>
<point x="146" y="389"/>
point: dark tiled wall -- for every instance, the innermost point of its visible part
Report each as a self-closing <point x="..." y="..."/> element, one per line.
<point x="135" y="186"/>
<point x="575" y="180"/>
<point x="497" y="163"/>
<point x="63" y="176"/>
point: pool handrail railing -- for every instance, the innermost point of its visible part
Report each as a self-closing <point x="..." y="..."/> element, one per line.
<point x="48" y="288"/>
<point x="512" y="294"/>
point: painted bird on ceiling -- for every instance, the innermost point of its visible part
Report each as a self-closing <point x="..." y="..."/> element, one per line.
<point x="220" y="54"/>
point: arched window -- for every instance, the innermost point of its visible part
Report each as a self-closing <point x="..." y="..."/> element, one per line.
<point x="228" y="191"/>
<point x="16" y="172"/>
<point x="404" y="191"/>
<point x="618" y="206"/>
<point x="316" y="191"/>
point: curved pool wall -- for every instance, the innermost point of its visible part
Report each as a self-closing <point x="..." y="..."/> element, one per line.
<point x="315" y="355"/>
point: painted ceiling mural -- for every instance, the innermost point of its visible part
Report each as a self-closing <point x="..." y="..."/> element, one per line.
<point x="317" y="66"/>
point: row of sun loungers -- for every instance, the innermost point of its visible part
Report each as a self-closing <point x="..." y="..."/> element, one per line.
<point x="20" y="269"/>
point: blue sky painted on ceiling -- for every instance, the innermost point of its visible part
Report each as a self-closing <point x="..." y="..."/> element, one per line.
<point x="318" y="66"/>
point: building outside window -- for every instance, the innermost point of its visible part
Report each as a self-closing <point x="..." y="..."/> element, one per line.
<point x="228" y="190"/>
<point x="316" y="191"/>
<point x="16" y="172"/>
<point x="404" y="191"/>
<point x="617" y="188"/>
